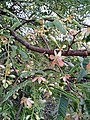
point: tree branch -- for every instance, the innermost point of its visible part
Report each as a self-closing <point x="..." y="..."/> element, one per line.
<point x="47" y="51"/>
<point x="25" y="21"/>
<point x="18" y="112"/>
<point x="2" y="12"/>
<point x="86" y="25"/>
<point x="73" y="41"/>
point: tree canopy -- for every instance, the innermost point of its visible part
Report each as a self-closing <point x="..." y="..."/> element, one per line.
<point x="45" y="54"/>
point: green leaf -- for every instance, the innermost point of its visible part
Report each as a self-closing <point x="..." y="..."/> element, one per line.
<point x="87" y="103"/>
<point x="87" y="39"/>
<point x="16" y="24"/>
<point x="49" y="24"/>
<point x="6" y="33"/>
<point x="53" y="39"/>
<point x="63" y="105"/>
<point x="23" y="54"/>
<point x="14" y="47"/>
<point x="85" y="85"/>
<point x="77" y="23"/>
<point x="13" y="52"/>
<point x="59" y="26"/>
<point x="14" y="89"/>
<point x="73" y="69"/>
<point x="48" y="17"/>
<point x="25" y="74"/>
<point x="81" y="75"/>
<point x="85" y="62"/>
<point x="34" y="72"/>
<point x="11" y="14"/>
<point x="9" y="18"/>
<point x="63" y="92"/>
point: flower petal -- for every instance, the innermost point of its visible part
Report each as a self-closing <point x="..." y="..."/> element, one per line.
<point x="29" y="104"/>
<point x="53" y="63"/>
<point x="35" y="79"/>
<point x="43" y="79"/>
<point x="52" y="57"/>
<point x="39" y="80"/>
<point x="60" y="62"/>
<point x="59" y="53"/>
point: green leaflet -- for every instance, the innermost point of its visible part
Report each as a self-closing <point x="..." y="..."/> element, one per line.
<point x="73" y="69"/>
<point x="14" y="47"/>
<point x="77" y="23"/>
<point x="86" y="91"/>
<point x="62" y="107"/>
<point x="11" y="14"/>
<point x="9" y="18"/>
<point x="48" y="17"/>
<point x="81" y="75"/>
<point x="87" y="85"/>
<point x="16" y="24"/>
<point x="14" y="50"/>
<point x="25" y="74"/>
<point x="87" y="103"/>
<point x="14" y="89"/>
<point x="59" y="26"/>
<point x="23" y="54"/>
<point x="63" y="92"/>
<point x="5" y="33"/>
<point x="85" y="62"/>
<point x="86" y="38"/>
<point x="83" y="71"/>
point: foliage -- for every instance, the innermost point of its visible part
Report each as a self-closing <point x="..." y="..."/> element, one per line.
<point x="44" y="53"/>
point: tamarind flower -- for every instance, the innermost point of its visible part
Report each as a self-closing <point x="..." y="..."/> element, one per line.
<point x="39" y="79"/>
<point x="57" y="60"/>
<point x="27" y="102"/>
<point x="65" y="78"/>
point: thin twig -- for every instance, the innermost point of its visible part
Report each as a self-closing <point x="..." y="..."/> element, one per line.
<point x="18" y="112"/>
<point x="25" y="21"/>
<point x="45" y="42"/>
<point x="48" y="69"/>
<point x="73" y="41"/>
<point x="86" y="25"/>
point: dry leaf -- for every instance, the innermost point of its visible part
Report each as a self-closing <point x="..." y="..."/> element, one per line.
<point x="4" y="39"/>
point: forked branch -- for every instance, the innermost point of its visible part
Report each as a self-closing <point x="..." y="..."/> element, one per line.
<point x="47" y="51"/>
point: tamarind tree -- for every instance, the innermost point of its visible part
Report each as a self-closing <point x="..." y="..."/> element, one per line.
<point x="45" y="55"/>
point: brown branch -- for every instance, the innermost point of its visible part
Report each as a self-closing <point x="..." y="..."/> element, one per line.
<point x="31" y="47"/>
<point x="47" y="51"/>
<point x="73" y="41"/>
